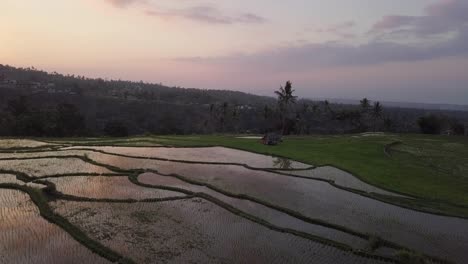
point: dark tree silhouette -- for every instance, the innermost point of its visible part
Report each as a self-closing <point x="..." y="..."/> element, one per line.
<point x="17" y="107"/>
<point x="266" y="112"/>
<point x="365" y="104"/>
<point x="115" y="129"/>
<point x="430" y="124"/>
<point x="69" y="121"/>
<point x="377" y="111"/>
<point x="388" y="124"/>
<point x="285" y="99"/>
<point x="224" y="115"/>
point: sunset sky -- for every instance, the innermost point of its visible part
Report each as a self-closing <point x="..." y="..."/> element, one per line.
<point x="394" y="50"/>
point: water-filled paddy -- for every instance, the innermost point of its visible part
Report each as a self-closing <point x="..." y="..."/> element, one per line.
<point x="25" y="237"/>
<point x="51" y="166"/>
<point x="9" y="178"/>
<point x="183" y="229"/>
<point x="341" y="178"/>
<point x="107" y="188"/>
<point x="21" y="143"/>
<point x="275" y="217"/>
<point x="320" y="200"/>
<point x="209" y="154"/>
<point x="194" y="231"/>
<point x="428" y="233"/>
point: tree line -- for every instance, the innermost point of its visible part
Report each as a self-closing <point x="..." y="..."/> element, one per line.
<point x="119" y="108"/>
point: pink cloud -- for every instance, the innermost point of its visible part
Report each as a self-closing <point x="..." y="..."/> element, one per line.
<point x="391" y="22"/>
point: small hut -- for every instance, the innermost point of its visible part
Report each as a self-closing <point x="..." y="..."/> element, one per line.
<point x="272" y="139"/>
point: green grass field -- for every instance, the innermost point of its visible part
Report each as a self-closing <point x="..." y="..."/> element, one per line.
<point x="434" y="168"/>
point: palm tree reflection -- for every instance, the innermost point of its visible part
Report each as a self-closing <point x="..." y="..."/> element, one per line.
<point x="282" y="163"/>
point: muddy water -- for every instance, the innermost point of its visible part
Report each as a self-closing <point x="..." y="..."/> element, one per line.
<point x="9" y="178"/>
<point x="21" y="143"/>
<point x="431" y="234"/>
<point x="24" y="155"/>
<point x="273" y="216"/>
<point x="211" y="154"/>
<point x="51" y="166"/>
<point x="25" y="237"/>
<point x="107" y="187"/>
<point x="194" y="231"/>
<point x="341" y="178"/>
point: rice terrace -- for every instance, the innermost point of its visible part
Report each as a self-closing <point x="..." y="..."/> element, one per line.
<point x="361" y="198"/>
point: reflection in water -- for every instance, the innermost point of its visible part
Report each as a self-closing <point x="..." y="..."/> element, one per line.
<point x="282" y="163"/>
<point x="209" y="154"/>
<point x="25" y="237"/>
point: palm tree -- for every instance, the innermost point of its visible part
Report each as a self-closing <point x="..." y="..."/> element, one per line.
<point x="266" y="116"/>
<point x="266" y="112"/>
<point x="328" y="111"/>
<point x="301" y="117"/>
<point x="236" y="118"/>
<point x="211" y="108"/>
<point x="365" y="104"/>
<point x="377" y="110"/>
<point x="223" y="119"/>
<point x="315" y="108"/>
<point x="285" y="98"/>
<point x="388" y="123"/>
<point x="327" y="106"/>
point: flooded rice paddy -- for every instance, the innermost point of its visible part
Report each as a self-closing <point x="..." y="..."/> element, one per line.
<point x="273" y="216"/>
<point x="207" y="154"/>
<point x="51" y="166"/>
<point x="203" y="205"/>
<point x="21" y="143"/>
<point x="25" y="237"/>
<point x="194" y="231"/>
<point x="107" y="188"/>
<point x="341" y="178"/>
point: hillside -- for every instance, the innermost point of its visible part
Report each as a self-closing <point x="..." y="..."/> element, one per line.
<point x="37" y="103"/>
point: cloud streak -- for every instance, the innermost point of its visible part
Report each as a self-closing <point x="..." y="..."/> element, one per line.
<point x="209" y="14"/>
<point x="446" y="17"/>
<point x="442" y="17"/>
<point x="206" y="14"/>
<point x="341" y="30"/>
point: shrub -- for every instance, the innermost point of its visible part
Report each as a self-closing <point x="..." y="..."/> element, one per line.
<point x="430" y="124"/>
<point x="115" y="129"/>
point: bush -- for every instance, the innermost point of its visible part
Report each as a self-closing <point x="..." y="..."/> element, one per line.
<point x="431" y="124"/>
<point x="115" y="129"/>
<point x="457" y="128"/>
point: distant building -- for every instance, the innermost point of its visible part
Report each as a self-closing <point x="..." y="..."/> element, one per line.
<point x="244" y="107"/>
<point x="9" y="82"/>
<point x="447" y="132"/>
<point x="28" y="85"/>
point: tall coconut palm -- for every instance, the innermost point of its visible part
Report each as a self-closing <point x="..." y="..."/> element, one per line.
<point x="377" y="110"/>
<point x="365" y="104"/>
<point x="285" y="99"/>
<point x="224" y="108"/>
<point x="266" y="112"/>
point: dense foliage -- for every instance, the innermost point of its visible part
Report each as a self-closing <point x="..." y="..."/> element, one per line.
<point x="36" y="103"/>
